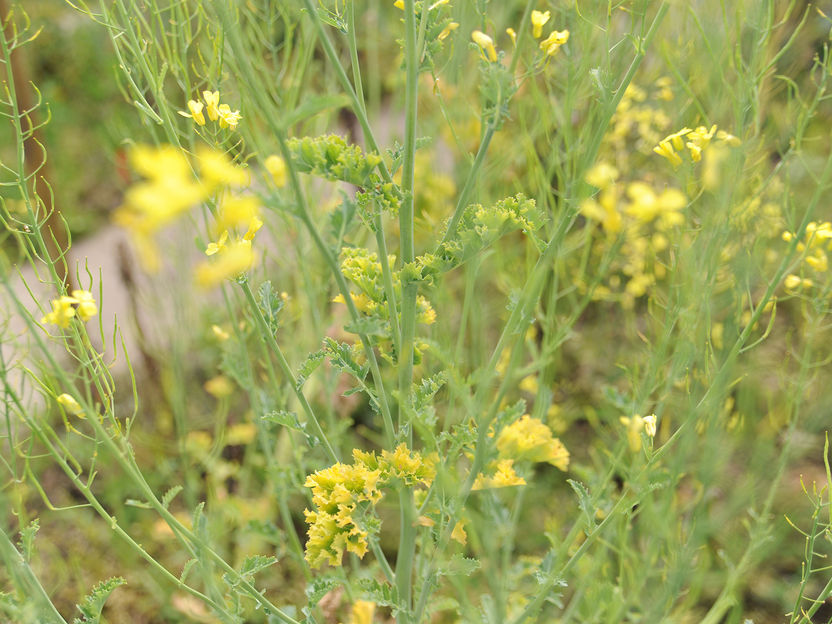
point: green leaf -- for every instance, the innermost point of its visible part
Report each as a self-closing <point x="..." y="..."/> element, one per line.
<point x="93" y="604"/>
<point x="27" y="539"/>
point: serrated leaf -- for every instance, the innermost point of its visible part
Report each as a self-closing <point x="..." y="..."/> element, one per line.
<point x="383" y="594"/>
<point x="584" y="502"/>
<point x="93" y="604"/>
<point x="170" y="495"/>
<point x="255" y="564"/>
<point x="319" y="588"/>
<point x="186" y="569"/>
<point x="284" y="418"/>
<point x="459" y="566"/>
<point x="310" y="364"/>
<point x="27" y="539"/>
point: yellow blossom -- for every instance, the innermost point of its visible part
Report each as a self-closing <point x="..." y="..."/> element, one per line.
<point x="219" y="387"/>
<point x="650" y="425"/>
<point x="217" y="169"/>
<point x="664" y="148"/>
<point x="212" y="102"/>
<point x="220" y="333"/>
<point x="528" y="438"/>
<point x="459" y="534"/>
<point x="228" y="118"/>
<point x="602" y="175"/>
<point x="220" y="245"/>
<point x="237" y="212"/>
<point x="237" y="258"/>
<point x="276" y="167"/>
<point x="362" y="612"/>
<point x="62" y="312"/>
<point x="399" y="4"/>
<point x="504" y="476"/>
<point x="539" y="19"/>
<point x="86" y="304"/>
<point x="253" y="227"/>
<point x="634" y="426"/>
<point x="513" y="35"/>
<point x="554" y="41"/>
<point x="486" y="43"/>
<point x="71" y="405"/>
<point x="195" y="113"/>
<point x="452" y="26"/>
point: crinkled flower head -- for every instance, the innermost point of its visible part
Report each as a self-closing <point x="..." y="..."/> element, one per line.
<point x="529" y="439"/>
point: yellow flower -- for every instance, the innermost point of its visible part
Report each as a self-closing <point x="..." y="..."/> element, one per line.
<point x="452" y="26"/>
<point x="276" y="166"/>
<point x="195" y="113"/>
<point x="62" y="312"/>
<point x="539" y="19"/>
<point x="212" y="101"/>
<point x="664" y="148"/>
<point x="634" y="426"/>
<point x="253" y="227"/>
<point x="228" y="118"/>
<point x="602" y="175"/>
<point x="486" y="43"/>
<point x="220" y="333"/>
<point x="554" y="41"/>
<point x="219" y="387"/>
<point x="528" y="438"/>
<point x="71" y="405"/>
<point x="362" y="612"/>
<point x="399" y="4"/>
<point x="504" y="476"/>
<point x="238" y="211"/>
<point x="217" y="169"/>
<point x="459" y="534"/>
<point x="510" y="32"/>
<point x="215" y="248"/>
<point x="647" y="206"/>
<point x="650" y="425"/>
<point x="237" y="258"/>
<point x="86" y="304"/>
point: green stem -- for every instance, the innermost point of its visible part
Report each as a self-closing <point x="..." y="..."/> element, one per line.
<point x="267" y="336"/>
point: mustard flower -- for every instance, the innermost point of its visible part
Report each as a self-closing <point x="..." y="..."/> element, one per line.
<point x="212" y="103"/>
<point x="539" y="19"/>
<point x="635" y="426"/>
<point x="87" y="307"/>
<point x="554" y="41"/>
<point x="62" y="312"/>
<point x="195" y="113"/>
<point x="71" y="405"/>
<point x="513" y="35"/>
<point x="220" y="245"/>
<point x="452" y="26"/>
<point x="504" y="476"/>
<point x="237" y="258"/>
<point x="399" y="4"/>
<point x="253" y="227"/>
<point x="217" y="169"/>
<point x="664" y="148"/>
<point x="650" y="425"/>
<point x="228" y="118"/>
<point x="276" y="166"/>
<point x="486" y="43"/>
<point x="528" y="438"/>
<point x="238" y="211"/>
<point x="362" y="612"/>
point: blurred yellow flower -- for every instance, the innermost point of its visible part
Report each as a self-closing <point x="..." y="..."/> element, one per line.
<point x="539" y="19"/>
<point x="62" y="312"/>
<point x="486" y="43"/>
<point x="212" y="101"/>
<point x="276" y="166"/>
<point x="87" y="307"/>
<point x="529" y="439"/>
<point x="71" y="405"/>
<point x="237" y="258"/>
<point x="452" y="26"/>
<point x="554" y="41"/>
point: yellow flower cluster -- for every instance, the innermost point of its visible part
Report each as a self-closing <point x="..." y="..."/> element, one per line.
<point x="551" y="44"/>
<point x="487" y="44"/>
<point x="527" y="439"/>
<point x="643" y="216"/>
<point x="816" y="242"/>
<point x="531" y="440"/>
<point x="342" y="493"/>
<point x="65" y="308"/>
<point x="696" y="141"/>
<point x="170" y="189"/>
<point x="216" y="111"/>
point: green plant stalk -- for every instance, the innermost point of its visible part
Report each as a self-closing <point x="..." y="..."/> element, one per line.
<point x="24" y="578"/>
<point x="407" y="530"/>
<point x="303" y="213"/>
<point x="529" y="295"/>
<point x="470" y="180"/>
<point x="268" y="337"/>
